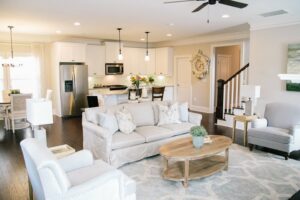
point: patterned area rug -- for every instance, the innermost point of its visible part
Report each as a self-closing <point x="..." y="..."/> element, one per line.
<point x="253" y="175"/>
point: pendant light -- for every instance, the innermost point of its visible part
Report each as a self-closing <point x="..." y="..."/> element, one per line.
<point x="120" y="55"/>
<point x="10" y="62"/>
<point x="147" y="57"/>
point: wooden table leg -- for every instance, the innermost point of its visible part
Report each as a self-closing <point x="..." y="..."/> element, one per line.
<point x="245" y="132"/>
<point x="186" y="173"/>
<point x="233" y="131"/>
<point x="226" y="158"/>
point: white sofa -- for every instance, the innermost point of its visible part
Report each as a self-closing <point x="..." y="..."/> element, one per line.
<point x="119" y="148"/>
<point x="76" y="177"/>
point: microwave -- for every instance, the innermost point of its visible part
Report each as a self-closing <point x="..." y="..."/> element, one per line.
<point x="114" y="68"/>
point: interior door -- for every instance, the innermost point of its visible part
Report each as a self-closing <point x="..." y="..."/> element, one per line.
<point x="184" y="84"/>
<point x="67" y="89"/>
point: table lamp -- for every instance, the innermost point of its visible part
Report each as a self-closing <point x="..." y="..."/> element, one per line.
<point x="39" y="112"/>
<point x="249" y="95"/>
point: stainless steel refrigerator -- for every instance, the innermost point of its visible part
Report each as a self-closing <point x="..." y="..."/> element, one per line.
<point x="73" y="88"/>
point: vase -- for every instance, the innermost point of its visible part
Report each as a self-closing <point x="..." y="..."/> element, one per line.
<point x="198" y="141"/>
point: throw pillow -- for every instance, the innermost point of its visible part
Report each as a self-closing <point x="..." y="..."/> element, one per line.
<point x="108" y="120"/>
<point x="125" y="121"/>
<point x="91" y="114"/>
<point x="168" y="114"/>
<point x="184" y="112"/>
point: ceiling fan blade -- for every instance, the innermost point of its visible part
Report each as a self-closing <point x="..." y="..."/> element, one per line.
<point x="233" y="3"/>
<point x="200" y="7"/>
<point x="180" y="1"/>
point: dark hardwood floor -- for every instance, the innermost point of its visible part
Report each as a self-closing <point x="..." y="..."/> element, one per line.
<point x="13" y="175"/>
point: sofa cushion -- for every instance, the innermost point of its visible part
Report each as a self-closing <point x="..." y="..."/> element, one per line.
<point x="152" y="133"/>
<point x="184" y="111"/>
<point x="271" y="134"/>
<point x="179" y="129"/>
<point x="156" y="110"/>
<point x="109" y="121"/>
<point x="91" y="114"/>
<point x="142" y="113"/>
<point x="84" y="174"/>
<point x="121" y="140"/>
<point x="125" y="121"/>
<point x="168" y="114"/>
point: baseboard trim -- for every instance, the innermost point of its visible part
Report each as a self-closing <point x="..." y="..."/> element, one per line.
<point x="200" y="109"/>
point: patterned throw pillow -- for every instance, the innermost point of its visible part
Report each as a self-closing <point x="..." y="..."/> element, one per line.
<point x="168" y="114"/>
<point x="125" y="121"/>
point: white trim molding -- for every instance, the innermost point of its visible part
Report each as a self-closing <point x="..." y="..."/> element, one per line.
<point x="261" y="26"/>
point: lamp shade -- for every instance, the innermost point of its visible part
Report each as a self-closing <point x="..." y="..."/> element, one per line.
<point x="39" y="111"/>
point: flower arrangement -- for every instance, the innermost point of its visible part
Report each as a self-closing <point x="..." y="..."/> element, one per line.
<point x="198" y="131"/>
<point x="136" y="80"/>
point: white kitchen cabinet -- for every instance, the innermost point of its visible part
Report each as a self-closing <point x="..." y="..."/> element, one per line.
<point x="150" y="65"/>
<point x="95" y="59"/>
<point x="71" y="52"/>
<point x="112" y="52"/>
<point x="164" y="61"/>
<point x="169" y="93"/>
<point x="134" y="61"/>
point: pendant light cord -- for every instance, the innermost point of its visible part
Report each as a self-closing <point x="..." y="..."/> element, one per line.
<point x="11" y="45"/>
<point x="119" y="29"/>
<point x="147" y="33"/>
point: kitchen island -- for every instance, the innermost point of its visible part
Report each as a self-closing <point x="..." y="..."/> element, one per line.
<point x="107" y="97"/>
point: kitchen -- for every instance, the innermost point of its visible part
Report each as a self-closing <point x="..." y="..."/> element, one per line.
<point x="112" y="88"/>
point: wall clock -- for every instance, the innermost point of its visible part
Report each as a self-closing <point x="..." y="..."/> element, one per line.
<point x="200" y="65"/>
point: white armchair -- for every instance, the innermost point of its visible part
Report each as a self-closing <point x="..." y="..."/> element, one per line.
<point x="77" y="176"/>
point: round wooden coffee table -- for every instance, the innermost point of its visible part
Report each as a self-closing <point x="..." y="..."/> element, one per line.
<point x="183" y="162"/>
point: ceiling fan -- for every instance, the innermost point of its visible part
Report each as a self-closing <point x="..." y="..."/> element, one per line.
<point x="213" y="2"/>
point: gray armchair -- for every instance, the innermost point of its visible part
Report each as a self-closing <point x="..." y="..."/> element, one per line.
<point x="280" y="129"/>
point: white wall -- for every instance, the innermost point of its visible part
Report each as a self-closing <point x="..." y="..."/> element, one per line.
<point x="268" y="58"/>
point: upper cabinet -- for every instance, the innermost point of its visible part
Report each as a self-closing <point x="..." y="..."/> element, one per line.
<point x="134" y="61"/>
<point x="164" y="61"/>
<point x="71" y="52"/>
<point x="95" y="59"/>
<point x="112" y="52"/>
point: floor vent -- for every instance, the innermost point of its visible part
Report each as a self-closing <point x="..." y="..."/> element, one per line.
<point x="274" y="13"/>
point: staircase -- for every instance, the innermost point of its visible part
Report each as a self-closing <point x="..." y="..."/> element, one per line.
<point x="229" y="102"/>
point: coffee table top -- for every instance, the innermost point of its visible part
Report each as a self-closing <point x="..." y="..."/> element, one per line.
<point x="183" y="149"/>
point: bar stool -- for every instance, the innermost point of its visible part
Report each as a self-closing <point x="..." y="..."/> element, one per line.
<point x="158" y="93"/>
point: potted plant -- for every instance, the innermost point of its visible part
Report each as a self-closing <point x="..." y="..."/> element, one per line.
<point x="198" y="133"/>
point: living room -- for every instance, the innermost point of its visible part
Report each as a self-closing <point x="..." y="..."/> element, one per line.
<point x="91" y="125"/>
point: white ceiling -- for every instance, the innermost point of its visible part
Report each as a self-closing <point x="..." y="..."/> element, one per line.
<point x="100" y="18"/>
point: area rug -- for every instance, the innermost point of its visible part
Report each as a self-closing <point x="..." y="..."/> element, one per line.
<point x="253" y="175"/>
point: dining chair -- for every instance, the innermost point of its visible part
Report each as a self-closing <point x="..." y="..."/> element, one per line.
<point x="49" y="94"/>
<point x="92" y="101"/>
<point x="18" y="108"/>
<point x="158" y="93"/>
<point x="4" y="107"/>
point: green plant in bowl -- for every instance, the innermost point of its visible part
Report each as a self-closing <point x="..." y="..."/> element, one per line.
<point x="198" y="133"/>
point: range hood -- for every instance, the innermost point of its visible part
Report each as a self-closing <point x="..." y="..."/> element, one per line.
<point x="294" y="78"/>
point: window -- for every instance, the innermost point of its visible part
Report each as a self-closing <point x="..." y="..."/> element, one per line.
<point x="26" y="77"/>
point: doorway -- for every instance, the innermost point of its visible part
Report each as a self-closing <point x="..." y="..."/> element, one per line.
<point x="183" y="79"/>
<point x="228" y="62"/>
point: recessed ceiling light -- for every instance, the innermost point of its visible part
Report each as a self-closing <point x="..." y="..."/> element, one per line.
<point x="171" y="24"/>
<point x="169" y="35"/>
<point x="76" y="23"/>
<point x="142" y="39"/>
<point x="58" y="32"/>
<point x="225" y="16"/>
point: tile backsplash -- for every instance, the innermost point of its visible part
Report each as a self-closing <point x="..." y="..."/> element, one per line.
<point x="125" y="80"/>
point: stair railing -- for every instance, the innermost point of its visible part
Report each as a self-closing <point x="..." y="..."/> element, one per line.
<point x="228" y="96"/>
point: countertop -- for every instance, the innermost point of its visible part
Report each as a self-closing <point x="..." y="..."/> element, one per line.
<point x="107" y="91"/>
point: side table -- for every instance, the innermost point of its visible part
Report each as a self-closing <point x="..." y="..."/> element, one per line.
<point x="245" y="119"/>
<point x="62" y="150"/>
